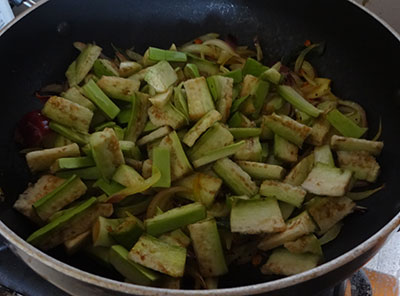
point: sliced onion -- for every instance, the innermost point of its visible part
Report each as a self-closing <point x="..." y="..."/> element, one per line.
<point x="223" y="57"/>
<point x="308" y="70"/>
<point x="302" y="55"/>
<point x="222" y="45"/>
<point x="143" y="186"/>
<point x="379" y="133"/>
<point x="134" y="55"/>
<point x="358" y="108"/>
<point x="202" y="38"/>
<point x="162" y="199"/>
<point x="244" y="52"/>
<point x="331" y="234"/>
<point x="258" y="48"/>
<point x="200" y="49"/>
<point x="363" y="194"/>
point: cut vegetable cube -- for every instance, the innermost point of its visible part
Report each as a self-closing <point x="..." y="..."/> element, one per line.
<point x="180" y="101"/>
<point x="108" y="188"/>
<point x="319" y="131"/>
<point x="191" y="71"/>
<point x="132" y="271"/>
<point x="237" y="179"/>
<point x="218" y="154"/>
<point x="128" y="232"/>
<point x="138" y="116"/>
<point x="43" y="186"/>
<point x="238" y="120"/>
<point x="158" y="255"/>
<point x="327" y="180"/>
<point x="255" y="216"/>
<point x="305" y="244"/>
<point x="75" y="221"/>
<point x="75" y="162"/>
<point x="157" y="54"/>
<point x="201" y="126"/>
<point x="296" y="227"/>
<point x="162" y="161"/>
<point x="166" y="115"/>
<point x="208" y="248"/>
<point x="72" y="135"/>
<point x="129" y="149"/>
<point x="283" y="262"/>
<point x="351" y="144"/>
<point x="160" y="76"/>
<point x="262" y="171"/>
<point x="293" y="195"/>
<point x="42" y="159"/>
<point x="201" y="188"/>
<point x="99" y="98"/>
<point x="300" y="171"/>
<point x="154" y="135"/>
<point x="176" y="238"/>
<point x="118" y="88"/>
<point x="180" y="165"/>
<point x="221" y="89"/>
<point x="160" y="100"/>
<point x="288" y="128"/>
<point x="128" y="68"/>
<point x="294" y="98"/>
<point x="85" y="61"/>
<point x="103" y="67"/>
<point x="323" y="154"/>
<point x="245" y="132"/>
<point x="253" y="67"/>
<point x="63" y="195"/>
<point x="175" y="218"/>
<point x="74" y="95"/>
<point x="284" y="150"/>
<point x="327" y="211"/>
<point x="361" y="163"/>
<point x="127" y="176"/>
<point x="251" y="150"/>
<point x="106" y="152"/>
<point x="101" y="231"/>
<point x="198" y="97"/>
<point x="272" y="75"/>
<point x="236" y="75"/>
<point x="345" y="125"/>
<point x="216" y="137"/>
<point x="266" y="132"/>
<point x="71" y="74"/>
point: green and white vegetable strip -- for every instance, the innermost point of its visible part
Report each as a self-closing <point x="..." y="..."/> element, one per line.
<point x="202" y="157"/>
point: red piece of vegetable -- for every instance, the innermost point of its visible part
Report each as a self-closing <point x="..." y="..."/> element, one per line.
<point x="32" y="129"/>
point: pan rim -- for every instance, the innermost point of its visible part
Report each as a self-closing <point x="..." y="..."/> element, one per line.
<point x="95" y="280"/>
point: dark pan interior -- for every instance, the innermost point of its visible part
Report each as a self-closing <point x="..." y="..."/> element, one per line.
<point x="361" y="57"/>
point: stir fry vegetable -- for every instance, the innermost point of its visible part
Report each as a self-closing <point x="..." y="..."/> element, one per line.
<point x="185" y="161"/>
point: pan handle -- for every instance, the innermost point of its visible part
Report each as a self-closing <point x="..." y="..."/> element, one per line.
<point x="28" y="3"/>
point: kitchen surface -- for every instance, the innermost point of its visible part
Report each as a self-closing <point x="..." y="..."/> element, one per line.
<point x="386" y="261"/>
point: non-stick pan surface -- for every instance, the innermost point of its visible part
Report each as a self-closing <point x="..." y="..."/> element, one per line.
<point x="361" y="56"/>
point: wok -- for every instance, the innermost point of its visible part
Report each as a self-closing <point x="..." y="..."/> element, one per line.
<point x="362" y="58"/>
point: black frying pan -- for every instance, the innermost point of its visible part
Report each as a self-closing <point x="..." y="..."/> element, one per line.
<point x="362" y="58"/>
